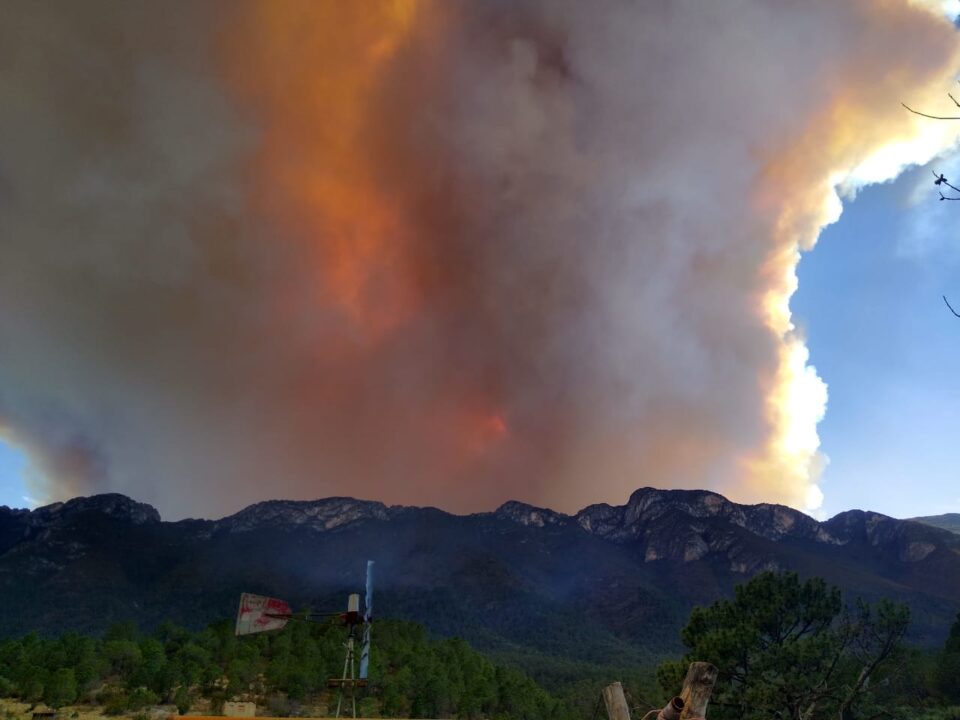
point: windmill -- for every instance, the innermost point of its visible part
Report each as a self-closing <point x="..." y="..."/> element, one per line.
<point x="258" y="613"/>
<point x="354" y="621"/>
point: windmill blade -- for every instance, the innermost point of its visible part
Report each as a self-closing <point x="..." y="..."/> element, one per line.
<point x="260" y="614"/>
<point x="367" y="621"/>
<point x="365" y="653"/>
<point x="368" y="600"/>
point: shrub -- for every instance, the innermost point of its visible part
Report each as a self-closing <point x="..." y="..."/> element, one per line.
<point x="182" y="699"/>
<point x="114" y="702"/>
<point x="140" y="698"/>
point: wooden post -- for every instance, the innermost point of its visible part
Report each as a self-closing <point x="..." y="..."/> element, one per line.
<point x="615" y="701"/>
<point x="697" y="688"/>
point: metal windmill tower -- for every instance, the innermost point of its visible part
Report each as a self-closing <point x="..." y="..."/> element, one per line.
<point x="261" y="614"/>
<point x="356" y="624"/>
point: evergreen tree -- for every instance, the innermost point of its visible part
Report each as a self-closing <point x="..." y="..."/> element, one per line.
<point x="61" y="688"/>
<point x="785" y="648"/>
<point x="948" y="666"/>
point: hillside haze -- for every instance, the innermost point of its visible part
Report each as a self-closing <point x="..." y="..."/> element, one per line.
<point x="608" y="585"/>
<point x="947" y="521"/>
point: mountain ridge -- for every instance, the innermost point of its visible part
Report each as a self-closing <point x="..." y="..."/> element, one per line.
<point x="704" y="503"/>
<point x="526" y="584"/>
<point x="649" y="517"/>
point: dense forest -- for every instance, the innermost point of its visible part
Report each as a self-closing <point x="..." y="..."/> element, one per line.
<point x="784" y="647"/>
<point x="411" y="674"/>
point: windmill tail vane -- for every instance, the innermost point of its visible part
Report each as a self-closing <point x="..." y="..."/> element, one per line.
<point x="260" y="614"/>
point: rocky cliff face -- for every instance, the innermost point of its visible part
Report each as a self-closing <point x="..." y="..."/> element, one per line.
<point x="907" y="540"/>
<point x="686" y="526"/>
<point x="112" y="504"/>
<point x="649" y="509"/>
<point x="524" y="514"/>
<point x="320" y="515"/>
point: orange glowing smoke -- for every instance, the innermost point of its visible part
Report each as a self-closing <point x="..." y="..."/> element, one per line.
<point x="335" y="182"/>
<point x="318" y="69"/>
<point x="481" y="282"/>
<point x="317" y="78"/>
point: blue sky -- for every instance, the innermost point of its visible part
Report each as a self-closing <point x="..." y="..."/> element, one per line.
<point x="13" y="463"/>
<point x="889" y="349"/>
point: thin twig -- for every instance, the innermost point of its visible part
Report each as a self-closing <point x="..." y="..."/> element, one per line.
<point x="941" y="180"/>
<point x="932" y="117"/>
<point x="944" y="197"/>
<point x="950" y="306"/>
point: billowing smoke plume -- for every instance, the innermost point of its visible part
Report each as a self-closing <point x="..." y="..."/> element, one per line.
<point x="445" y="253"/>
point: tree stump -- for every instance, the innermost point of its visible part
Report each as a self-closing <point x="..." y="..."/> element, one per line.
<point x="615" y="701"/>
<point x="697" y="688"/>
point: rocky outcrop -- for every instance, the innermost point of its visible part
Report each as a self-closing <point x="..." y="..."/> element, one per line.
<point x="113" y="505"/>
<point x="908" y="541"/>
<point x="524" y="514"/>
<point x="321" y="515"/>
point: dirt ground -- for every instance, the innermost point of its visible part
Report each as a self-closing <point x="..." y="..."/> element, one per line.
<point x="14" y="710"/>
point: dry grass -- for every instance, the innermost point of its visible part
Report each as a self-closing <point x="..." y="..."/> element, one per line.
<point x="15" y="710"/>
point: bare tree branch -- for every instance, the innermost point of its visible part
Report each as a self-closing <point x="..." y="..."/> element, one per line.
<point x="950" y="306"/>
<point x="932" y="117"/>
<point x="941" y="180"/>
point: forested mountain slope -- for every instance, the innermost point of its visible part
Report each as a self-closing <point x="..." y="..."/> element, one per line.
<point x="553" y="592"/>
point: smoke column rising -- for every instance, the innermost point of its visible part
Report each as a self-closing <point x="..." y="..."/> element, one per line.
<point x="438" y="253"/>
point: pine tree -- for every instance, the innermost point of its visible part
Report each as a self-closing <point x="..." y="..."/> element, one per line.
<point x="786" y="648"/>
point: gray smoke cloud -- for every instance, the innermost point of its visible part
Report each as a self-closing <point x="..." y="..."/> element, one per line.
<point x="440" y="254"/>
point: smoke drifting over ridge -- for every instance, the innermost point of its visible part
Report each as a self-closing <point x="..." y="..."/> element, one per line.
<point x="433" y="253"/>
